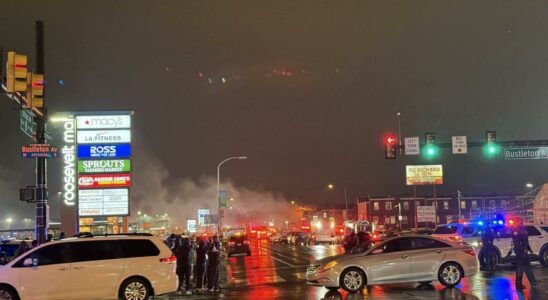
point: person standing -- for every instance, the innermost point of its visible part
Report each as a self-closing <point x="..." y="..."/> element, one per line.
<point x="184" y="264"/>
<point x="521" y="247"/>
<point x="488" y="250"/>
<point x="214" y="256"/>
<point x="201" y="252"/>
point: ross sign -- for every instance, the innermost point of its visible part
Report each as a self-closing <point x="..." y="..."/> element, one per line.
<point x="104" y="181"/>
<point x="424" y="174"/>
<point x="459" y="145"/>
<point x="104" y="166"/>
<point x="201" y="215"/>
<point x="191" y="226"/>
<point x="69" y="163"/>
<point x="26" y="122"/>
<point x="103" y="122"/>
<point x="222" y="198"/>
<point x="103" y="202"/>
<point x="39" y="150"/>
<point x="526" y="153"/>
<point x="104" y="136"/>
<point x="426" y="214"/>
<point x="104" y="151"/>
<point x="412" y="146"/>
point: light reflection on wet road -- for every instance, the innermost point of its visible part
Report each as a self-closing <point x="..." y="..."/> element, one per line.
<point x="277" y="272"/>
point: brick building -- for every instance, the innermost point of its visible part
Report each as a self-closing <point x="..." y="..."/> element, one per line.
<point x="386" y="211"/>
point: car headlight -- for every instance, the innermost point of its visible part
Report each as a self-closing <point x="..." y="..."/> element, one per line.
<point x="328" y="266"/>
<point x="475" y="244"/>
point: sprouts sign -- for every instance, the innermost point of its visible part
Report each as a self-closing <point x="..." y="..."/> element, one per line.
<point x="97" y="162"/>
<point x="104" y="166"/>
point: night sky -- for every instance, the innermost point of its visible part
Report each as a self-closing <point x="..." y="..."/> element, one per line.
<point x="305" y="89"/>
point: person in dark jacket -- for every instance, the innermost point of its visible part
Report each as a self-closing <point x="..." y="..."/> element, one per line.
<point x="364" y="239"/>
<point x="350" y="241"/>
<point x="521" y="247"/>
<point x="488" y="250"/>
<point x="201" y="253"/>
<point x="214" y="256"/>
<point x="184" y="265"/>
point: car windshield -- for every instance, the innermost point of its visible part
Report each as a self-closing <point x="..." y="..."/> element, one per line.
<point x="446" y="229"/>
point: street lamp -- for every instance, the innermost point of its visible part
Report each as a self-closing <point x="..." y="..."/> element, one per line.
<point x="9" y="221"/>
<point x="529" y="186"/>
<point x="218" y="182"/>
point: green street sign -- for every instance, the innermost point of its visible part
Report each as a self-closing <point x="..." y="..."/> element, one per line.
<point x="26" y="122"/>
<point x="104" y="166"/>
<point x="222" y="199"/>
<point x="526" y="153"/>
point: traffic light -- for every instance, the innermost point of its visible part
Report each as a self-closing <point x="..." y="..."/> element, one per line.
<point x="491" y="147"/>
<point x="16" y="72"/>
<point x="390" y="144"/>
<point x="35" y="90"/>
<point x="430" y="149"/>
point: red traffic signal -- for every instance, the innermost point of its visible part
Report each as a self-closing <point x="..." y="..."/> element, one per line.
<point x="390" y="143"/>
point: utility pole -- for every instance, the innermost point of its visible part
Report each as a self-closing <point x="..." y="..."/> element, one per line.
<point x="41" y="165"/>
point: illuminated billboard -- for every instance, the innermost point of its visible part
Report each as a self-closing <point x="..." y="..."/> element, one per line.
<point x="103" y="136"/>
<point x="103" y="202"/>
<point x="104" y="151"/>
<point x="104" y="166"/>
<point x="104" y="181"/>
<point x="424" y="174"/>
<point x="103" y="122"/>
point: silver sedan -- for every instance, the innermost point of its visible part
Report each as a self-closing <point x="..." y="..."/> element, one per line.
<point x="409" y="258"/>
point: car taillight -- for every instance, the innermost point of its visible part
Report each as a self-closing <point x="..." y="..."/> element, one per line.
<point x="470" y="252"/>
<point x="169" y="260"/>
<point x="246" y="242"/>
<point x="231" y="243"/>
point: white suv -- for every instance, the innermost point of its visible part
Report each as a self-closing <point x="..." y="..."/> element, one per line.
<point x="538" y="240"/>
<point x="104" y="267"/>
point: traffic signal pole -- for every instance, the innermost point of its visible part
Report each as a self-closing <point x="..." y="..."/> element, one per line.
<point x="41" y="164"/>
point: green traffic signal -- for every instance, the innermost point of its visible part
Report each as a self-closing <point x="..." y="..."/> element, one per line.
<point x="431" y="151"/>
<point x="491" y="149"/>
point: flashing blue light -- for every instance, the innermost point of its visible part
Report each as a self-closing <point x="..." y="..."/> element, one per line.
<point x="501" y="222"/>
<point x="480" y="223"/>
<point x="494" y="221"/>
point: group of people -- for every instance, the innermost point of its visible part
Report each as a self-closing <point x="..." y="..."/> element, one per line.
<point x="206" y="255"/>
<point x="520" y="247"/>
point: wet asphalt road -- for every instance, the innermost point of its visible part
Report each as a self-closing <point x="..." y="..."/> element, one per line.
<point x="277" y="272"/>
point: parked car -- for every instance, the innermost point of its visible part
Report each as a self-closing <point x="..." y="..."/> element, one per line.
<point x="107" y="267"/>
<point x="409" y="258"/>
<point x="238" y="244"/>
<point x="456" y="231"/>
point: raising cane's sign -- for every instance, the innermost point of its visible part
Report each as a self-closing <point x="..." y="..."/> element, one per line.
<point x="104" y="181"/>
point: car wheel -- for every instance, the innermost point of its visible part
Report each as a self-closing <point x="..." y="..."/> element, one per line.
<point x="352" y="280"/>
<point x="544" y="257"/>
<point x="450" y="274"/>
<point x="135" y="289"/>
<point x="7" y="293"/>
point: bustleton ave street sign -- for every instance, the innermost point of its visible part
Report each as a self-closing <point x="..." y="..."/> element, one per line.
<point x="526" y="153"/>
